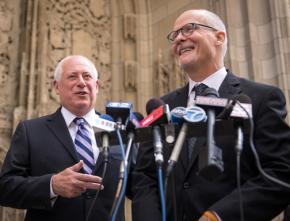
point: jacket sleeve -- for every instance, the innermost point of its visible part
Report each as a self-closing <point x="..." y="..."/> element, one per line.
<point x="18" y="188"/>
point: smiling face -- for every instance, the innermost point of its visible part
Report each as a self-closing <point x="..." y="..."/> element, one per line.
<point x="199" y="54"/>
<point x="77" y="85"/>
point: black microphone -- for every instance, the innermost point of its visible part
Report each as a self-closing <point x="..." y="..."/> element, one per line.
<point x="241" y="101"/>
<point x="226" y="112"/>
<point x="104" y="124"/>
<point x="132" y="124"/>
<point x="158" y="113"/>
<point x="153" y="104"/>
<point x="120" y="111"/>
<point x="210" y="158"/>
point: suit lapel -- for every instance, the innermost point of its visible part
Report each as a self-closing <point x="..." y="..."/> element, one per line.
<point x="199" y="144"/>
<point x="57" y="126"/>
<point x="229" y="87"/>
<point x="180" y="97"/>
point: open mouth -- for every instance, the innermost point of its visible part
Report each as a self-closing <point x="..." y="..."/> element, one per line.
<point x="184" y="50"/>
<point x="82" y="93"/>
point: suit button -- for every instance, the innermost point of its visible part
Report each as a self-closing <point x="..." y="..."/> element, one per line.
<point x="88" y="195"/>
<point x="186" y="185"/>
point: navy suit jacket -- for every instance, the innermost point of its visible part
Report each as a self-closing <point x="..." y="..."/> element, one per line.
<point x="262" y="199"/>
<point x="40" y="148"/>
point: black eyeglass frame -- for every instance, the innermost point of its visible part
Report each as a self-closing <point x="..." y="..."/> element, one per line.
<point x="194" y="25"/>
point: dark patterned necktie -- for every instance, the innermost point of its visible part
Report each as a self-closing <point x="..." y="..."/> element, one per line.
<point x="198" y="89"/>
<point x="83" y="145"/>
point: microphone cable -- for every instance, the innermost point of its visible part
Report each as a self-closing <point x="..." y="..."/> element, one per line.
<point x="106" y="161"/>
<point x="158" y="153"/>
<point x="161" y="193"/>
<point x="239" y="146"/>
<point x="261" y="170"/>
<point x="174" y="205"/>
<point x="103" y="174"/>
<point x="121" y="188"/>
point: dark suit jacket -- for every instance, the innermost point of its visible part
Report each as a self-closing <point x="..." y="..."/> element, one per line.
<point x="262" y="199"/>
<point x="39" y="149"/>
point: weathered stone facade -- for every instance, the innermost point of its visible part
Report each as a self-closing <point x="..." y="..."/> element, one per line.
<point x="126" y="40"/>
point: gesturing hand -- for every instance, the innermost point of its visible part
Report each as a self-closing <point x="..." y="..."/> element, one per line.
<point x="70" y="182"/>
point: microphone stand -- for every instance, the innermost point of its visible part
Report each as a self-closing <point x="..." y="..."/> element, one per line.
<point x="176" y="152"/>
<point x="106" y="161"/>
<point x="158" y="153"/>
<point x="212" y="155"/>
<point x="123" y="176"/>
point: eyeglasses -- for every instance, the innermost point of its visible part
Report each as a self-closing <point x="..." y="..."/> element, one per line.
<point x="186" y="30"/>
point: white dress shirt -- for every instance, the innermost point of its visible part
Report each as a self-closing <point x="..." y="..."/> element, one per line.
<point x="90" y="118"/>
<point x="214" y="81"/>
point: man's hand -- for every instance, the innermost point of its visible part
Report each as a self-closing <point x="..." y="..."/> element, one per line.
<point x="204" y="218"/>
<point x="70" y="182"/>
<point x="209" y="216"/>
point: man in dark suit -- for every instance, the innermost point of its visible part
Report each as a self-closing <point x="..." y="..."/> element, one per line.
<point x="199" y="42"/>
<point x="53" y="166"/>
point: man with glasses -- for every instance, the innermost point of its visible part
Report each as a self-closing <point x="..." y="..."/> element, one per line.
<point x="199" y="42"/>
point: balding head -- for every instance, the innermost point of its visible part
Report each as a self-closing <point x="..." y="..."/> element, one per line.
<point x="208" y="18"/>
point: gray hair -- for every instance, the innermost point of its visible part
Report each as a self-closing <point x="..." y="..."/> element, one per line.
<point x="58" y="69"/>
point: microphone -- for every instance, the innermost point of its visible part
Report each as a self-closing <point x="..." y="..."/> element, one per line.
<point x="120" y="111"/>
<point x="210" y="159"/>
<point x="158" y="113"/>
<point x="152" y="104"/>
<point x="176" y="115"/>
<point x="226" y="112"/>
<point x="191" y="114"/>
<point x="104" y="124"/>
<point x="233" y="110"/>
<point x="133" y="121"/>
<point x="242" y="100"/>
<point x="243" y="107"/>
<point x="157" y="116"/>
<point x="132" y="124"/>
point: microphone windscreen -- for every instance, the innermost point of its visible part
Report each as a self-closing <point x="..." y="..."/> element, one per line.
<point x="152" y="104"/>
<point x="107" y="117"/>
<point x="177" y="114"/>
<point x="242" y="98"/>
<point x="210" y="92"/>
<point x="138" y="115"/>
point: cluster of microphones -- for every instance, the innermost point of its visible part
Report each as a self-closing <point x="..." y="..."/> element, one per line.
<point x="210" y="115"/>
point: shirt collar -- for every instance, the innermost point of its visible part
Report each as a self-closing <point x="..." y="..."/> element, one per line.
<point x="214" y="80"/>
<point x="68" y="116"/>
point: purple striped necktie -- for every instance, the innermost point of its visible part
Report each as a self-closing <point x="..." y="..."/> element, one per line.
<point x="83" y="145"/>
